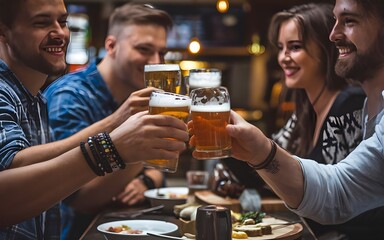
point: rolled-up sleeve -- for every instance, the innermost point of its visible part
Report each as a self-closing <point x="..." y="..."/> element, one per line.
<point x="12" y="136"/>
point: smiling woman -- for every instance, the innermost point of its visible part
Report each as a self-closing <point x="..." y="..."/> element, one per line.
<point x="307" y="58"/>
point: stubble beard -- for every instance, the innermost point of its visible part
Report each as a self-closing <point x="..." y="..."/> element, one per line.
<point x="42" y="64"/>
<point x="364" y="65"/>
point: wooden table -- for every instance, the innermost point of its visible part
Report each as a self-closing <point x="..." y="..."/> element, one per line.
<point x="91" y="233"/>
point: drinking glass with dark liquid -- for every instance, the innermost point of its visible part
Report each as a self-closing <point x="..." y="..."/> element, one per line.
<point x="197" y="181"/>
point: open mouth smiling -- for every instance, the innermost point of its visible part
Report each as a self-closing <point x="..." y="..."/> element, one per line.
<point x="343" y="51"/>
<point x="54" y="49"/>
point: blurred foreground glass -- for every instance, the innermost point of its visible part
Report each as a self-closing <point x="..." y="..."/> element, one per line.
<point x="197" y="181"/>
<point x="168" y="104"/>
<point x="163" y="76"/>
<point x="203" y="77"/>
<point x="210" y="108"/>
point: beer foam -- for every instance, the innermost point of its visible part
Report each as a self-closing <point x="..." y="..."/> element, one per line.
<point x="204" y="79"/>
<point x="161" y="67"/>
<point x="167" y="99"/>
<point x="225" y="107"/>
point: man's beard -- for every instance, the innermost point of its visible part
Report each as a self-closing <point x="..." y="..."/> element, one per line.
<point x="364" y="65"/>
<point x="37" y="61"/>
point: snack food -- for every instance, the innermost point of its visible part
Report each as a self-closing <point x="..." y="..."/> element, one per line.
<point x="250" y="224"/>
<point x="185" y="210"/>
<point x="254" y="230"/>
<point x="124" y="229"/>
<point x="239" y="235"/>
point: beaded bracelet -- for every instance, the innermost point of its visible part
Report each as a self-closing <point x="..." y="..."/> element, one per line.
<point x="91" y="164"/>
<point x="268" y="160"/>
<point x="106" y="158"/>
<point x="105" y="151"/>
<point x="114" y="151"/>
<point x="101" y="162"/>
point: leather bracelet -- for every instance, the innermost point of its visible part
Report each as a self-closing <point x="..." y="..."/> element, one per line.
<point x="268" y="160"/>
<point x="94" y="167"/>
<point x="148" y="182"/>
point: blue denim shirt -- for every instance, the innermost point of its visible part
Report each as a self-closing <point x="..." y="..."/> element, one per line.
<point x="337" y="193"/>
<point x="76" y="101"/>
<point x="23" y="123"/>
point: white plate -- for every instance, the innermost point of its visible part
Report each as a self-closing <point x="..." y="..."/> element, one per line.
<point x="159" y="227"/>
<point x="165" y="199"/>
<point x="166" y="192"/>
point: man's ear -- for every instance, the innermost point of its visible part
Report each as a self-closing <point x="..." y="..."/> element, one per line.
<point x="110" y="45"/>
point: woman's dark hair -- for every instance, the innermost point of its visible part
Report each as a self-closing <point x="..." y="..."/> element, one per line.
<point x="315" y="23"/>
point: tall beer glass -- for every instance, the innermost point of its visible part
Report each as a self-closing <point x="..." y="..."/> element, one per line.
<point x="168" y="104"/>
<point x="204" y="77"/>
<point x="210" y="108"/>
<point x="164" y="76"/>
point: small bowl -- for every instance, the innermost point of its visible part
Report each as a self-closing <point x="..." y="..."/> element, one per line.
<point x="169" y="197"/>
<point x="153" y="226"/>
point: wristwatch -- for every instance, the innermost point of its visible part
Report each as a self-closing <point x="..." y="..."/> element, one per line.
<point x="148" y="182"/>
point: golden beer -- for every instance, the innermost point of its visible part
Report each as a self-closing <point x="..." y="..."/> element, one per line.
<point x="210" y="110"/>
<point x="163" y="76"/>
<point x="168" y="104"/>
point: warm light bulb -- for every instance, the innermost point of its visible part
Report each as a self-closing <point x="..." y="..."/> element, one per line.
<point x="222" y="6"/>
<point x="194" y="46"/>
<point x="256" y="48"/>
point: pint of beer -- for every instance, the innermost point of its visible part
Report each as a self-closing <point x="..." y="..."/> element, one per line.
<point x="168" y="104"/>
<point x="163" y="76"/>
<point x="210" y="108"/>
<point x="204" y="77"/>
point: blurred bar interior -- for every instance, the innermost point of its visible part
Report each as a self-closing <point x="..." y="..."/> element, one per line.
<point x="233" y="38"/>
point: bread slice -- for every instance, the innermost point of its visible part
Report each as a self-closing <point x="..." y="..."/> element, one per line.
<point x="250" y="231"/>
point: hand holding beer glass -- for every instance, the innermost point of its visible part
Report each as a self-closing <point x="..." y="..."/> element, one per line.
<point x="210" y="110"/>
<point x="168" y="104"/>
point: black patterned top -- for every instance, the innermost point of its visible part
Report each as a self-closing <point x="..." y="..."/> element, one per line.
<point x="341" y="131"/>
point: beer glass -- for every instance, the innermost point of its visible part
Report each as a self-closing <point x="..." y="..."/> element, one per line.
<point x="197" y="181"/>
<point x="164" y="76"/>
<point x="168" y="104"/>
<point x="203" y="77"/>
<point x="210" y="108"/>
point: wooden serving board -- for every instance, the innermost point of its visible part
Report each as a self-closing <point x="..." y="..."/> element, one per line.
<point x="268" y="205"/>
<point x="281" y="232"/>
<point x="209" y="198"/>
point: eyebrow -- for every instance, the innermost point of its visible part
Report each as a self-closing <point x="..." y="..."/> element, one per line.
<point x="48" y="15"/>
<point x="349" y="13"/>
